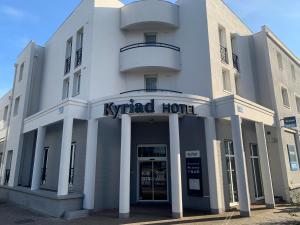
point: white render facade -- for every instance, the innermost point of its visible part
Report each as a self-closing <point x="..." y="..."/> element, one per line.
<point x="152" y="103"/>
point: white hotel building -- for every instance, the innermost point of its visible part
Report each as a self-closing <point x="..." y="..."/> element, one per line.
<point x="152" y="103"/>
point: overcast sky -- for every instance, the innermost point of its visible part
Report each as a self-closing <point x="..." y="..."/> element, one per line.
<point x="25" y="20"/>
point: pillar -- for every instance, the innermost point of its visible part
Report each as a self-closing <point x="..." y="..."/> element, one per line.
<point x="38" y="158"/>
<point x="90" y="164"/>
<point x="240" y="163"/>
<point x="215" y="190"/>
<point x="124" y="195"/>
<point x="176" y="188"/>
<point x="64" y="165"/>
<point x="264" y="165"/>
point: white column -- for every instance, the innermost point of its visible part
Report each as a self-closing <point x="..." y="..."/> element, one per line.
<point x="264" y="165"/>
<point x="90" y="164"/>
<point x="64" y="165"/>
<point x="240" y="163"/>
<point x="124" y="195"/>
<point x="38" y="158"/>
<point x="175" y="166"/>
<point x="216" y="203"/>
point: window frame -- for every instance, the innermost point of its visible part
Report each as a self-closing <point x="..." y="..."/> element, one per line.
<point x="65" y="90"/>
<point x="282" y="89"/>
<point x="226" y="82"/>
<point x="21" y="72"/>
<point x="150" y="76"/>
<point x="279" y="60"/>
<point x="294" y="162"/>
<point x="297" y="99"/>
<point x="16" y="105"/>
<point x="76" y="83"/>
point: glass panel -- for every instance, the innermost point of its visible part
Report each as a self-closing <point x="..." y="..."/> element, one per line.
<point x="254" y="150"/>
<point x="259" y="192"/>
<point x="146" y="185"/>
<point x="150" y="38"/>
<point x="235" y="189"/>
<point x="152" y="151"/>
<point x="160" y="180"/>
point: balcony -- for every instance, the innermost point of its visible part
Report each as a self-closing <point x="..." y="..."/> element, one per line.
<point x="78" y="58"/>
<point x="149" y="14"/>
<point x="224" y="54"/>
<point x="142" y="57"/>
<point x="235" y="60"/>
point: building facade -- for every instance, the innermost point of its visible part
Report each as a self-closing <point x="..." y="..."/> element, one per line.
<point x="152" y="103"/>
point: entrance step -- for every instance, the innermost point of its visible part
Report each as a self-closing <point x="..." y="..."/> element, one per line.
<point x="71" y="215"/>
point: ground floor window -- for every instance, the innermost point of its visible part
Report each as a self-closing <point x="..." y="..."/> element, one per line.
<point x="153" y="173"/>
<point x="8" y="166"/>
<point x="293" y="158"/>
<point x="72" y="164"/>
<point x="44" y="167"/>
<point x="254" y="156"/>
<point x="231" y="171"/>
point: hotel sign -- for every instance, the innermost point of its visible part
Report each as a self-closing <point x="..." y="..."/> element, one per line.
<point x="290" y="122"/>
<point x="111" y="109"/>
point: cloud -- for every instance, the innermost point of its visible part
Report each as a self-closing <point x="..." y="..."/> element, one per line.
<point x="17" y="13"/>
<point x="12" y="11"/>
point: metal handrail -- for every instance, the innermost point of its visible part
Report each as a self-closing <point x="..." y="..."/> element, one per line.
<point x="150" y="44"/>
<point x="78" y="59"/>
<point x="224" y="54"/>
<point x="151" y="90"/>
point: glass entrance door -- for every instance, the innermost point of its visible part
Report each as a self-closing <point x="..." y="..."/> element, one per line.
<point x="231" y="172"/>
<point x="258" y="188"/>
<point x="152" y="167"/>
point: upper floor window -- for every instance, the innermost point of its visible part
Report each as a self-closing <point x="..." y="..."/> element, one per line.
<point x="298" y="103"/>
<point x="285" y="97"/>
<point x="226" y="80"/>
<point x="150" y="37"/>
<point x="223" y="44"/>
<point x="279" y="60"/>
<point x="79" y="44"/>
<point x="293" y="72"/>
<point x="21" y="72"/>
<point x="66" y="86"/>
<point x="76" y="83"/>
<point x="150" y="82"/>
<point x="16" y="106"/>
<point x="68" y="56"/>
<point x="5" y="114"/>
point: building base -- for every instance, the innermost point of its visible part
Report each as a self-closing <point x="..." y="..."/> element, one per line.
<point x="44" y="202"/>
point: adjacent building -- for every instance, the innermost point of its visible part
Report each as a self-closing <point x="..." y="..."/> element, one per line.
<point x="152" y="103"/>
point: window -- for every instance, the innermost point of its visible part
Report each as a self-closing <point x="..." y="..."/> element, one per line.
<point x="237" y="84"/>
<point x="16" y="107"/>
<point x="293" y="158"/>
<point x="150" y="82"/>
<point x="76" y="83"/>
<point x="223" y="45"/>
<point x="226" y="80"/>
<point x="66" y="88"/>
<point x="293" y="72"/>
<point x="285" y="97"/>
<point x="44" y="167"/>
<point x="72" y="164"/>
<point x="255" y="164"/>
<point x="150" y="37"/>
<point x="68" y="56"/>
<point x="5" y="114"/>
<point x="298" y="103"/>
<point x="79" y="43"/>
<point x="279" y="60"/>
<point x="21" y="72"/>
<point x="231" y="171"/>
<point x="8" y="166"/>
<point x="1" y="156"/>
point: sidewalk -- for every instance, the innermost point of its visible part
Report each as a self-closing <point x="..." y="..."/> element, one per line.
<point x="283" y="214"/>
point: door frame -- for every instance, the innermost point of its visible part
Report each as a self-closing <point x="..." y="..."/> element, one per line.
<point x="150" y="159"/>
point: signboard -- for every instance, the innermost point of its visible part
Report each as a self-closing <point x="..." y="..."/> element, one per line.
<point x="111" y="109"/>
<point x="290" y="122"/>
<point x="194" y="173"/>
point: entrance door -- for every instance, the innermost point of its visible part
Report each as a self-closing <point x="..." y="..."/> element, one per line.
<point x="258" y="188"/>
<point x="152" y="172"/>
<point x="231" y="172"/>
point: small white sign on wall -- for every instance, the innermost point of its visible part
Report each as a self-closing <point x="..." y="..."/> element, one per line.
<point x="192" y="154"/>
